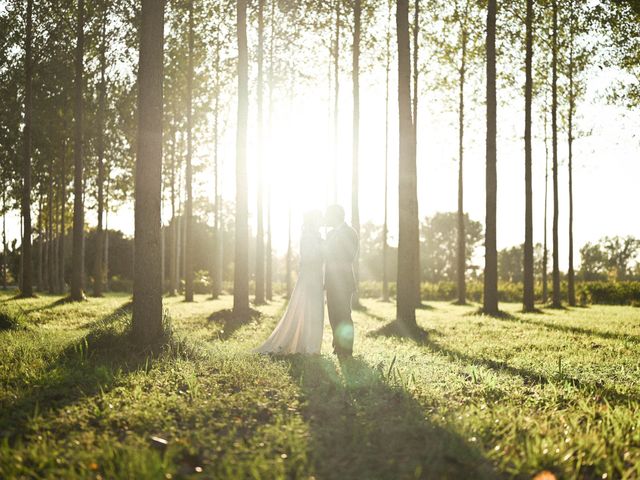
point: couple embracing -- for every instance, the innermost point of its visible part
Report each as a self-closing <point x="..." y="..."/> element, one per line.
<point x="326" y="265"/>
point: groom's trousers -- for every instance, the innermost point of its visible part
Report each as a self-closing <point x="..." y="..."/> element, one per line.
<point x="339" y="308"/>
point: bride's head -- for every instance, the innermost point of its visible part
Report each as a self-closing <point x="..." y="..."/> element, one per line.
<point x="312" y="221"/>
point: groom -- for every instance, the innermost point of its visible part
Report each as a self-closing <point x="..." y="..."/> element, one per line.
<point x="341" y="248"/>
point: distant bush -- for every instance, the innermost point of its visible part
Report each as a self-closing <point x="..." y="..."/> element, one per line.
<point x="611" y="293"/>
<point x="120" y="284"/>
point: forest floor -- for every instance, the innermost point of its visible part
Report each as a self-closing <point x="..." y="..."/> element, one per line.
<point x="473" y="397"/>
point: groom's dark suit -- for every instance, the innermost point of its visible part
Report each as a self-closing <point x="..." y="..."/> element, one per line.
<point x="339" y="280"/>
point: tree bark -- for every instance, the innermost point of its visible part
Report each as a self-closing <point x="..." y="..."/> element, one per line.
<point x="416" y="72"/>
<point x="40" y="271"/>
<point x="336" y="98"/>
<point x="147" y="284"/>
<point x="51" y="276"/>
<point x="289" y="258"/>
<point x="490" y="305"/>
<point x="26" y="286"/>
<point x="408" y="222"/>
<point x="528" y="296"/>
<point x="461" y="243"/>
<point x="241" y="273"/>
<point x="545" y="252"/>
<point x="269" y="267"/>
<point x="188" y="291"/>
<point x="556" y="298"/>
<point x="571" y="276"/>
<point x="385" y="227"/>
<point x="174" y="221"/>
<point x="63" y="214"/>
<point x="355" y="207"/>
<point x="98" y="267"/>
<point x="216" y="265"/>
<point x="77" y="266"/>
<point x="260" y="293"/>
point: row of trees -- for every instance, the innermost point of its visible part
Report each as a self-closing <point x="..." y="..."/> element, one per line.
<point x="192" y="52"/>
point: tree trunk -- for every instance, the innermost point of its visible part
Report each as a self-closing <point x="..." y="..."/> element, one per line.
<point x="355" y="207"/>
<point x="461" y="243"/>
<point x="106" y="237"/>
<point x="529" y="295"/>
<point x="289" y="257"/>
<point x="416" y="71"/>
<point x="408" y="222"/>
<point x="63" y="214"/>
<point x="26" y="286"/>
<point x="77" y="263"/>
<point x="269" y="267"/>
<point x="555" y="302"/>
<point x="336" y="98"/>
<point x="260" y="294"/>
<point x="40" y="271"/>
<point x="51" y="276"/>
<point x="188" y="291"/>
<point x="385" y="227"/>
<point x="216" y="264"/>
<point x="571" y="276"/>
<point x="241" y="273"/>
<point x="98" y="267"/>
<point x="490" y="305"/>
<point x="3" y="264"/>
<point x="545" y="252"/>
<point x="174" y="230"/>
<point x="147" y="285"/>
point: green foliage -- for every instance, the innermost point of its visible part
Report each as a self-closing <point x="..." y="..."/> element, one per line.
<point x="610" y="293"/>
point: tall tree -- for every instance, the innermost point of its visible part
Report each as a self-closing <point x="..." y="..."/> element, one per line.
<point x="408" y="222"/>
<point x="416" y="75"/>
<point x="355" y="207"/>
<point x="147" y="284"/>
<point x="77" y="265"/>
<point x="188" y="274"/>
<point x="555" y="301"/>
<point x="545" y="248"/>
<point x="241" y="271"/>
<point x="216" y="274"/>
<point x="490" y="302"/>
<point x="528" y="297"/>
<point x="269" y="254"/>
<point x="26" y="286"/>
<point x="385" y="228"/>
<point x="571" y="275"/>
<point x="336" y="101"/>
<point x="260" y="275"/>
<point x="98" y="276"/>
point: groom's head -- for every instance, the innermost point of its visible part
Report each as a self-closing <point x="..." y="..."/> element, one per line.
<point x="334" y="216"/>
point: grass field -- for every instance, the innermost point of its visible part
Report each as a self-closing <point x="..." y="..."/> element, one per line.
<point x="475" y="397"/>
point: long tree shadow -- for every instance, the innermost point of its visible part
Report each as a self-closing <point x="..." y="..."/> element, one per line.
<point x="577" y="330"/>
<point x="597" y="390"/>
<point x="95" y="363"/>
<point x="364" y="428"/>
<point x="229" y="322"/>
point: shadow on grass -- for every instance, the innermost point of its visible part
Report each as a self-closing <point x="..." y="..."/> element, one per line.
<point x="530" y="377"/>
<point x="500" y="315"/>
<point x="87" y="366"/>
<point x="397" y="329"/>
<point x="578" y="330"/>
<point x="229" y="321"/>
<point x="363" y="428"/>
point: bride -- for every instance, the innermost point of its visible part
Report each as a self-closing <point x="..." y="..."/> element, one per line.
<point x="300" y="329"/>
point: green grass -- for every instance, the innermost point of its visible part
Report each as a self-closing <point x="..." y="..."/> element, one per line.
<point x="476" y="397"/>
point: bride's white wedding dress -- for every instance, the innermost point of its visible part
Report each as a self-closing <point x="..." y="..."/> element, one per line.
<point x="300" y="328"/>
